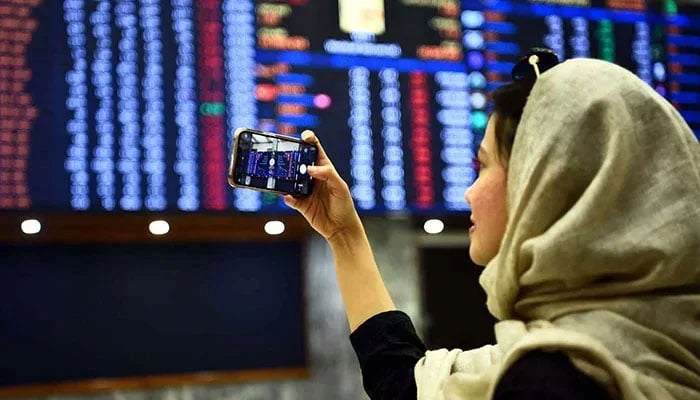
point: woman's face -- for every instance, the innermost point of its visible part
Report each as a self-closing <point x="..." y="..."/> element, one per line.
<point x="487" y="198"/>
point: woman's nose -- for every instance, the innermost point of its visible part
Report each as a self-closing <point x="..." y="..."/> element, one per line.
<point x="467" y="194"/>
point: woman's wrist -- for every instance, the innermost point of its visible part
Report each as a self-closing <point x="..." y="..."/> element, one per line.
<point x="348" y="239"/>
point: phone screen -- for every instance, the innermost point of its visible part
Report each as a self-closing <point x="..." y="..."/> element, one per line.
<point x="273" y="163"/>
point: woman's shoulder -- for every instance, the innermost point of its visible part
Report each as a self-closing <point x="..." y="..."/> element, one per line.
<point x="547" y="375"/>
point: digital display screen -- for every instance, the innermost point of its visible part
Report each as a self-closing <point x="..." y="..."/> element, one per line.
<point x="272" y="163"/>
<point x="426" y="30"/>
<point x="125" y="105"/>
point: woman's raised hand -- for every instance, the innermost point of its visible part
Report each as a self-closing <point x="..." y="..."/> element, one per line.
<point x="329" y="209"/>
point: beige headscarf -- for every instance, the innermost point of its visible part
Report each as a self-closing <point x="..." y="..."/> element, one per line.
<point x="601" y="254"/>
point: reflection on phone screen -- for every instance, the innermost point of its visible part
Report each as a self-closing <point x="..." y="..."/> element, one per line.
<point x="271" y="163"/>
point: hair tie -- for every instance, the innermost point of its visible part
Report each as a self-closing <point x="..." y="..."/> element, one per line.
<point x="534" y="63"/>
<point x="533" y="60"/>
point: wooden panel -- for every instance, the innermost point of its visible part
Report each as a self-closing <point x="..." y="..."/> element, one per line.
<point x="110" y="228"/>
<point x="152" y="382"/>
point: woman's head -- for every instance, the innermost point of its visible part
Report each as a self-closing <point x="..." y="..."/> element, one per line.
<point x="487" y="196"/>
<point x="508" y="104"/>
<point x="601" y="197"/>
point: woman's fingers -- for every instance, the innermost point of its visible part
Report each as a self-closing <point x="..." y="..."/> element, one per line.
<point x="321" y="172"/>
<point x="310" y="137"/>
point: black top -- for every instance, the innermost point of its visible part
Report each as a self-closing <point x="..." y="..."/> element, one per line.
<point x="388" y="349"/>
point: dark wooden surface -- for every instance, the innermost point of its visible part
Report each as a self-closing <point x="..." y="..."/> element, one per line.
<point x="123" y="227"/>
<point x="153" y="382"/>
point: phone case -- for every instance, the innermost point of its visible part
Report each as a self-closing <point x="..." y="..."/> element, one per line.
<point x="232" y="162"/>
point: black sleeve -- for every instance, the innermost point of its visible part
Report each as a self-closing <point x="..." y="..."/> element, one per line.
<point x="545" y="375"/>
<point x="388" y="349"/>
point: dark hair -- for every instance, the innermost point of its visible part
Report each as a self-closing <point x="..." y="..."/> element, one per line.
<point x="508" y="103"/>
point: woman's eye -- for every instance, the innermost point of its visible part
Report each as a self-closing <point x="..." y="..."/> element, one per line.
<point x="477" y="165"/>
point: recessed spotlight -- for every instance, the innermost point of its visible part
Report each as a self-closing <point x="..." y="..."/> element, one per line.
<point x="274" y="227"/>
<point x="159" y="227"/>
<point x="31" y="226"/>
<point x="433" y="226"/>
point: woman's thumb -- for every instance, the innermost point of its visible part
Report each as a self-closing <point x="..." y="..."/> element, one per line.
<point x="291" y="201"/>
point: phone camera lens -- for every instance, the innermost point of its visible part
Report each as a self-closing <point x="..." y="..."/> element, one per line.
<point x="245" y="136"/>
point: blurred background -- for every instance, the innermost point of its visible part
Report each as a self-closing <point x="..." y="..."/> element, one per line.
<point x="129" y="269"/>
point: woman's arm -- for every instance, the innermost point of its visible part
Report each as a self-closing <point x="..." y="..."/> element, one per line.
<point x="331" y="212"/>
<point x="388" y="349"/>
<point x="361" y="285"/>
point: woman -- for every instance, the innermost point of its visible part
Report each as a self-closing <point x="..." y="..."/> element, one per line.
<point x="589" y="226"/>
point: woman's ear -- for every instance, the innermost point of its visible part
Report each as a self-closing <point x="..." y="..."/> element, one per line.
<point x="502" y="158"/>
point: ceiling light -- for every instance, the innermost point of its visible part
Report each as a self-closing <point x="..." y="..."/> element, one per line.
<point x="159" y="227"/>
<point x="274" y="227"/>
<point x="31" y="226"/>
<point x="433" y="226"/>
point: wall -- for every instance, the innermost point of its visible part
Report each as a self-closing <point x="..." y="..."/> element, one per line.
<point x="334" y="371"/>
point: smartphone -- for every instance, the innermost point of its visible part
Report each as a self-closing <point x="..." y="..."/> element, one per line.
<point x="270" y="162"/>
